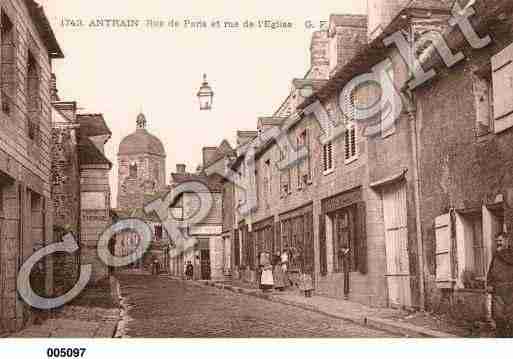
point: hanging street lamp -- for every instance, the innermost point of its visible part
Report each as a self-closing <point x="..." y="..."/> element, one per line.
<point x="205" y="95"/>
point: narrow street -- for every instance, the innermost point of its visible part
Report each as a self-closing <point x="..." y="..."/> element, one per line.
<point x="167" y="308"/>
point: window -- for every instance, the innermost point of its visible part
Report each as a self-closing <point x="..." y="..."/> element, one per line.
<point x="483" y="97"/>
<point x="285" y="176"/>
<point x="327" y="150"/>
<point x="502" y="69"/>
<point x="303" y="168"/>
<point x="350" y="133"/>
<point x="267" y="182"/>
<point x="158" y="232"/>
<point x="7" y="66"/>
<point x="464" y="248"/>
<point x="34" y="103"/>
<point x="132" y="170"/>
<point x="344" y="237"/>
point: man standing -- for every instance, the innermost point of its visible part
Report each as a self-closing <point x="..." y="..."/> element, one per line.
<point x="500" y="284"/>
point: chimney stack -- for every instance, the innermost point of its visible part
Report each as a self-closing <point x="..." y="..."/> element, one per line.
<point x="209" y="154"/>
<point x="181" y="168"/>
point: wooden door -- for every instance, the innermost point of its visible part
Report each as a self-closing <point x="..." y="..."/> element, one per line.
<point x="205" y="264"/>
<point x="396" y="245"/>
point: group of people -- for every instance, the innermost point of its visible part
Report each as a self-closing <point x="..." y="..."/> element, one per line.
<point x="274" y="273"/>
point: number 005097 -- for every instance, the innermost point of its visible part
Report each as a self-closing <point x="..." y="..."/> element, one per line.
<point x="65" y="352"/>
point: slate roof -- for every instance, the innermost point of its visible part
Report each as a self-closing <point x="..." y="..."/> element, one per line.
<point x="349" y="20"/>
<point x="89" y="154"/>
<point x="44" y="29"/>
<point x="141" y="142"/>
<point x="213" y="182"/>
<point x="372" y="53"/>
<point x="93" y="125"/>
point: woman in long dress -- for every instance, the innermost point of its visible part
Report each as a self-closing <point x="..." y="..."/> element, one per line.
<point x="278" y="273"/>
<point x="266" y="281"/>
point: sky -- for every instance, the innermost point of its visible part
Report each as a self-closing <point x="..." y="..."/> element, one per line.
<point x="122" y="71"/>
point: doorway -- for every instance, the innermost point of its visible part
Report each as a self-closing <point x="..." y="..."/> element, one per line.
<point x="396" y="246"/>
<point x="205" y="264"/>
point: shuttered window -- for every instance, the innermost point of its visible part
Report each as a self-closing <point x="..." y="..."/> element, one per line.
<point x="350" y="133"/>
<point x="443" y="251"/>
<point x="502" y="68"/>
<point x="236" y="248"/>
<point x="328" y="157"/>
<point x="323" y="255"/>
<point x="7" y="64"/>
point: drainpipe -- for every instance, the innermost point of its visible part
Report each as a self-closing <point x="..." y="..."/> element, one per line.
<point x="412" y="115"/>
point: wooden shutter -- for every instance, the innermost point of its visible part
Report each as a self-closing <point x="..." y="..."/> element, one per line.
<point x="502" y="67"/>
<point x="236" y="248"/>
<point x="322" y="245"/>
<point x="361" y="238"/>
<point x="443" y="251"/>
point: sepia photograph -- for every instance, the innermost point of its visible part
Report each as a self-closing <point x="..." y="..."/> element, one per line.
<point x="335" y="169"/>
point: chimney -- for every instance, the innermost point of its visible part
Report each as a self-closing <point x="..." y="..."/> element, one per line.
<point x="380" y="13"/>
<point x="244" y="137"/>
<point x="319" y="55"/>
<point x="181" y="168"/>
<point x="54" y="92"/>
<point x="209" y="154"/>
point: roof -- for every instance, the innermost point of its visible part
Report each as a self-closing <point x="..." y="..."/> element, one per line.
<point x="93" y="125"/>
<point x="488" y="13"/>
<point x="135" y="213"/>
<point x="141" y="142"/>
<point x="213" y="182"/>
<point x="44" y="29"/>
<point x="348" y="20"/>
<point x="89" y="154"/>
<point x="373" y="52"/>
<point x="270" y="121"/>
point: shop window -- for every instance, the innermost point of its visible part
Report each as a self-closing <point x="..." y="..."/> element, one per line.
<point x="344" y="239"/>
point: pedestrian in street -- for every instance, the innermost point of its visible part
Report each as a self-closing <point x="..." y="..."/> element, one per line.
<point x="285" y="265"/>
<point x="266" y="279"/>
<point x="306" y="284"/>
<point x="189" y="270"/>
<point x="343" y="254"/>
<point x="500" y="285"/>
<point x="278" y="273"/>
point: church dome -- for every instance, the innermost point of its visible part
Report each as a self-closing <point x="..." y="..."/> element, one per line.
<point x="141" y="141"/>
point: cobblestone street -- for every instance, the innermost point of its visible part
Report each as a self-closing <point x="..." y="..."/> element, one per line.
<point x="163" y="307"/>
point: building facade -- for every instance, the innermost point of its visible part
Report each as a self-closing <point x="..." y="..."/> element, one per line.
<point x="28" y="49"/>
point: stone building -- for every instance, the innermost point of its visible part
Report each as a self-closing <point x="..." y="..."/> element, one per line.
<point x="28" y="47"/>
<point x="210" y="254"/>
<point x="141" y="177"/>
<point x="80" y="188"/>
<point x="142" y="166"/>
<point x="465" y="153"/>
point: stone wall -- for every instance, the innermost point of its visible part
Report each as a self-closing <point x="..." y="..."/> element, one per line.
<point x="461" y="167"/>
<point x="25" y="145"/>
<point x="151" y="177"/>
